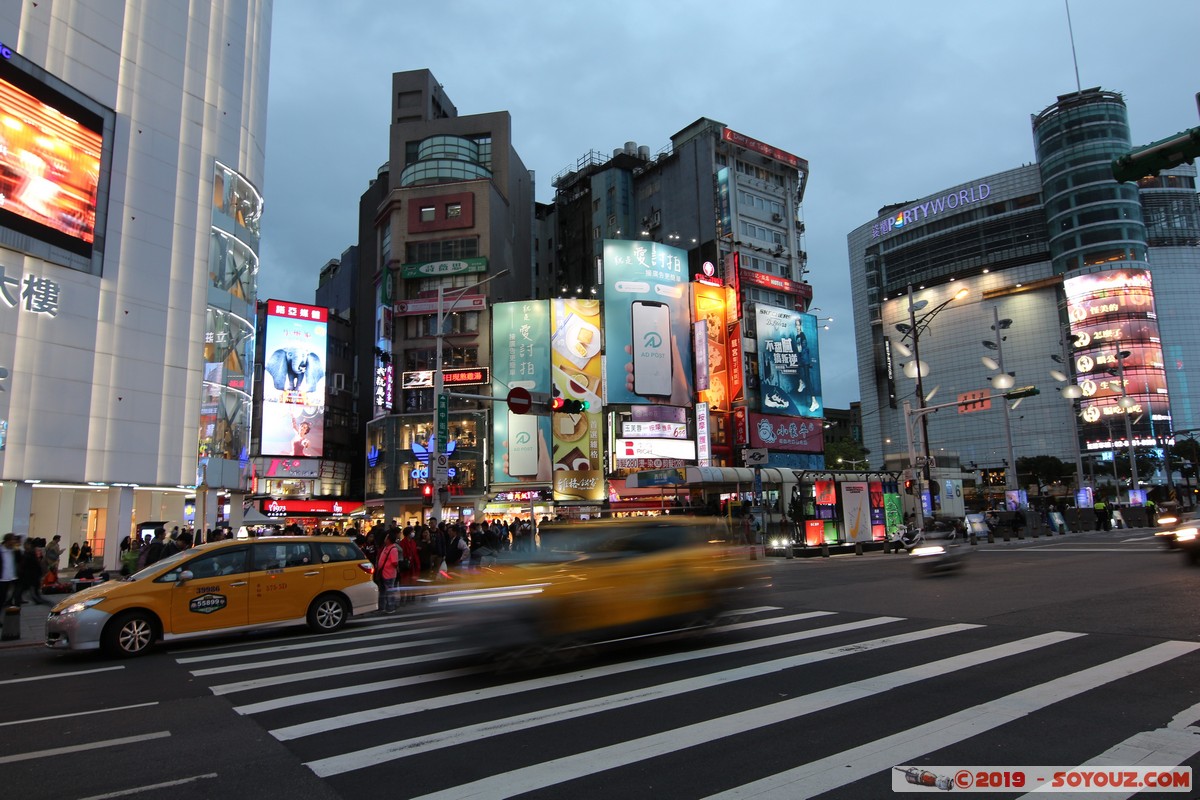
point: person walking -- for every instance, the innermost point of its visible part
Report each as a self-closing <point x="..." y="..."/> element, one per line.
<point x="29" y="575"/>
<point x="10" y="562"/>
<point x="389" y="564"/>
<point x="411" y="554"/>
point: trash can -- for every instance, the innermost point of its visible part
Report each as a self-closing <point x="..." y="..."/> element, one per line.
<point x="12" y="624"/>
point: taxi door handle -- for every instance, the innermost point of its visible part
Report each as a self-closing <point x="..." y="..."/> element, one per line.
<point x="314" y="572"/>
<point x="237" y="583"/>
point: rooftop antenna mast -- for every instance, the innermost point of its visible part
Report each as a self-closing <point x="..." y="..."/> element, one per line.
<point x="1074" y="58"/>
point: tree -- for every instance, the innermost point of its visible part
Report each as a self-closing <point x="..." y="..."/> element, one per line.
<point x="846" y="449"/>
<point x="1043" y="470"/>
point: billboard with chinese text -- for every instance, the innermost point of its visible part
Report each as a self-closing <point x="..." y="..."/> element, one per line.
<point x="520" y="359"/>
<point x="788" y="362"/>
<point x="575" y="364"/>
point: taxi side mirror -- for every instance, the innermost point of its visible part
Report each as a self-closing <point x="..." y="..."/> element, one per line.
<point x="185" y="576"/>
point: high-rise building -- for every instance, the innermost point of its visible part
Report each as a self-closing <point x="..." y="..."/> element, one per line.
<point x="133" y="160"/>
<point x="1050" y="275"/>
<point x="453" y="210"/>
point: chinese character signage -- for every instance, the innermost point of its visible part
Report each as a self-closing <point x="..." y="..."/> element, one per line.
<point x="647" y="323"/>
<point x="438" y="268"/>
<point x="787" y="433"/>
<point x="856" y="511"/>
<point x="520" y="358"/>
<point x="575" y="365"/>
<point x="788" y="362"/>
<point x="709" y="307"/>
<point x="293" y="412"/>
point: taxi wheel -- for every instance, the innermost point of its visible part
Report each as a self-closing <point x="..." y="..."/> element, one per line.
<point x="328" y="613"/>
<point x="129" y="634"/>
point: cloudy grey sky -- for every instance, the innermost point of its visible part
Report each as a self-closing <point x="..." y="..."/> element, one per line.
<point x="889" y="101"/>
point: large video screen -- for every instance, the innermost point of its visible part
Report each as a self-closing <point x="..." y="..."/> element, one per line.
<point x="50" y="163"/>
<point x="294" y="354"/>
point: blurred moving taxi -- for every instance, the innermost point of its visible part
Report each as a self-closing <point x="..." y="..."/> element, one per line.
<point x="596" y="579"/>
<point x="221" y="587"/>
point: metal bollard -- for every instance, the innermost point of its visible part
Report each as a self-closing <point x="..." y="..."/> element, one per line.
<point x="12" y="624"/>
<point x="858" y="551"/>
<point x="824" y="549"/>
<point x="974" y="538"/>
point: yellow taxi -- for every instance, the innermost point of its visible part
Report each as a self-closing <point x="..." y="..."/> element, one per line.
<point x="222" y="587"/>
<point x="600" y="579"/>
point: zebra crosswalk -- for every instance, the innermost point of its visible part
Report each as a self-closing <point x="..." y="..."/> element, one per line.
<point x="768" y="705"/>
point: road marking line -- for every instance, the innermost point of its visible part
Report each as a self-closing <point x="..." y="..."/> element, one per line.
<point x="281" y="662"/>
<point x="151" y="787"/>
<point x="286" y="648"/>
<point x="58" y="675"/>
<point x="77" y="714"/>
<point x="905" y="747"/>
<point x="366" y="688"/>
<point x="550" y="773"/>
<point x="1162" y="747"/>
<point x="395" y="750"/>
<point x="1046" y="549"/>
<point x="79" y="748"/>
<point x="293" y="677"/>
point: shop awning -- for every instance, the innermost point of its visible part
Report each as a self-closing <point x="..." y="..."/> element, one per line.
<point x="732" y="476"/>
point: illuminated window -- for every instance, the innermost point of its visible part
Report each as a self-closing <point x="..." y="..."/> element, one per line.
<point x="453" y="210"/>
<point x="428" y="213"/>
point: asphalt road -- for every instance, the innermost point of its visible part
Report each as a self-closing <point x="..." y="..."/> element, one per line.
<point x="1040" y="652"/>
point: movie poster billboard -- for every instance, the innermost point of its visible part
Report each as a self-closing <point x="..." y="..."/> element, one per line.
<point x="293" y="409"/>
<point x="575" y="365"/>
<point x="709" y="307"/>
<point x="788" y="363"/>
<point x="647" y="324"/>
<point x="520" y="358"/>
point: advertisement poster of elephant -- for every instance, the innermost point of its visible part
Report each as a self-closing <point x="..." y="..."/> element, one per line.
<point x="294" y="353"/>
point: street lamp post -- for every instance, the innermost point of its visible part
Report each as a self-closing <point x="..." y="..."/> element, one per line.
<point x="1126" y="402"/>
<point x="1071" y="392"/>
<point x="913" y="330"/>
<point x="439" y="387"/>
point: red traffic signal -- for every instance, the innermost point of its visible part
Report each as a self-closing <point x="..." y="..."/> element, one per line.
<point x="564" y="406"/>
<point x="427" y="493"/>
<point x="908" y="487"/>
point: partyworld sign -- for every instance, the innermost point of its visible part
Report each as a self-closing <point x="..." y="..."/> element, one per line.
<point x="920" y="212"/>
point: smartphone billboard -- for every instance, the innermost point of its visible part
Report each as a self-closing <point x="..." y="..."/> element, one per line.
<point x="647" y="324"/>
<point x="520" y="359"/>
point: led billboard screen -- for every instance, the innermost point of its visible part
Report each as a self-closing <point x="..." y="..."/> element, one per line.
<point x="51" y="173"/>
<point x="1116" y="356"/>
<point x="294" y="353"/>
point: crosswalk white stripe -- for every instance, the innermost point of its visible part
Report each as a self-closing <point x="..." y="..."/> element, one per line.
<point x="288" y="646"/>
<point x="365" y="688"/>
<point x="361" y="622"/>
<point x="334" y="672"/>
<point x="543" y="682"/>
<point x="901" y="748"/>
<point x="394" y="750"/>
<point x="304" y="659"/>
<point x="550" y="773"/>
<point x="1163" y="747"/>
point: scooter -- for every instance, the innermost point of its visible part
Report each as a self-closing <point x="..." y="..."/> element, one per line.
<point x="906" y="538"/>
<point x="940" y="553"/>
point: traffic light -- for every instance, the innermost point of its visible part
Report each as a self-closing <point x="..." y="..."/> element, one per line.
<point x="908" y="487"/>
<point x="1022" y="391"/>
<point x="1157" y="156"/>
<point x="427" y="493"/>
<point x="565" y="406"/>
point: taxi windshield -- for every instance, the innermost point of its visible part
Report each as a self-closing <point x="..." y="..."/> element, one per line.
<point x="154" y="568"/>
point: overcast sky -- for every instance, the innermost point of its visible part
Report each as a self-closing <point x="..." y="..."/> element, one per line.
<point x="889" y="101"/>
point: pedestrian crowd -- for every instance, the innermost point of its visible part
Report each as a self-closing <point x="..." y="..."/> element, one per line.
<point x="405" y="558"/>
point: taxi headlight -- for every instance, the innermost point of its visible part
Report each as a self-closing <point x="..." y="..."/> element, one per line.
<point x="82" y="605"/>
<point x="1185" y="534"/>
<point x="929" y="550"/>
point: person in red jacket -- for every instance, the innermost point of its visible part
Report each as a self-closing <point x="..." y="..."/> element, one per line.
<point x="389" y="560"/>
<point x="409" y="552"/>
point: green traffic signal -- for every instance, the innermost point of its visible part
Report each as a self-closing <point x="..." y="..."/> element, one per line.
<point x="1157" y="156"/>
